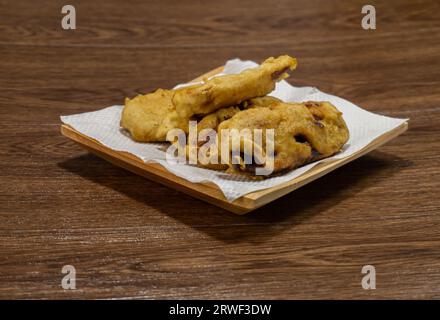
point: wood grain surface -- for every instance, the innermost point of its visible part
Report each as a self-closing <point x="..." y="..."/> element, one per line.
<point x="129" y="237"/>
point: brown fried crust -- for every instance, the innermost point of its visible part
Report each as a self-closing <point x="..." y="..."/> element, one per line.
<point x="149" y="117"/>
<point x="230" y="90"/>
<point x="304" y="132"/>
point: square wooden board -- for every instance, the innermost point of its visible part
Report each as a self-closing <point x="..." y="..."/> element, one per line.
<point x="209" y="192"/>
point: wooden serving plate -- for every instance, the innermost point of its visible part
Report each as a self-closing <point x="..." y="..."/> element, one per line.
<point x="209" y="192"/>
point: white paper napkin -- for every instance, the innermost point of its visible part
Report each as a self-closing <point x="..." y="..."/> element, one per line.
<point x="364" y="127"/>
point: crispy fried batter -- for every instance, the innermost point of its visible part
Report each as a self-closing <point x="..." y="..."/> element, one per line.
<point x="304" y="132"/>
<point x="262" y="102"/>
<point x="149" y="117"/>
<point x="230" y="90"/>
<point x="212" y="120"/>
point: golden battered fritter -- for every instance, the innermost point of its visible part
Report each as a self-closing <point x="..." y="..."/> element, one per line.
<point x="149" y="117"/>
<point x="304" y="132"/>
<point x="230" y="90"/>
<point x="261" y="102"/>
<point x="212" y="120"/>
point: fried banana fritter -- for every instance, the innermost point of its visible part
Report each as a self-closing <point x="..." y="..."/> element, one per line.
<point x="212" y="120"/>
<point x="261" y="102"/>
<point x="303" y="132"/>
<point x="230" y="90"/>
<point x="149" y="117"/>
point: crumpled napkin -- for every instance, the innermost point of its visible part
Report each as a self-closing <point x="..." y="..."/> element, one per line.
<point x="364" y="127"/>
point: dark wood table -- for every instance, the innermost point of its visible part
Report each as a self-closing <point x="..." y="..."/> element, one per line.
<point x="129" y="237"/>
